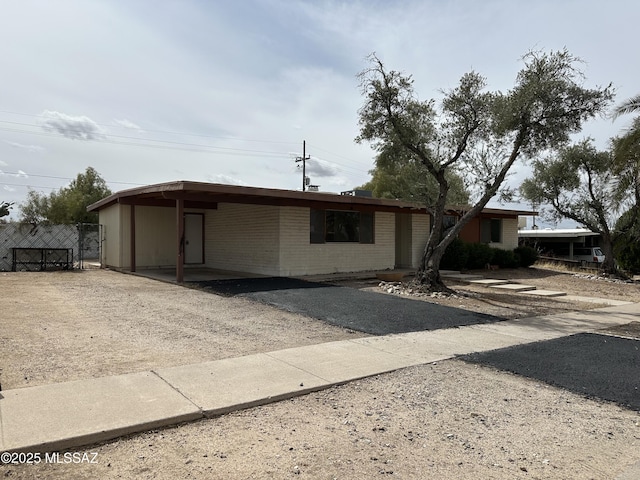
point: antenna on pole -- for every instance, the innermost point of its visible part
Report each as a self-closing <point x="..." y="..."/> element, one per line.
<point x="304" y="159"/>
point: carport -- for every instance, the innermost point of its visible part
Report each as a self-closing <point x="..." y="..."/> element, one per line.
<point x="265" y="231"/>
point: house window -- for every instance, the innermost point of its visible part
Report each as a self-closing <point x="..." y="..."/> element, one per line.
<point x="491" y="230"/>
<point x="340" y="226"/>
<point x="448" y="221"/>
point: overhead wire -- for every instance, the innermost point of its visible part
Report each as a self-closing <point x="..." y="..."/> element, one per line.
<point x="186" y="146"/>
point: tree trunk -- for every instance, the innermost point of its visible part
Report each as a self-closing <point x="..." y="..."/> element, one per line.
<point x="609" y="264"/>
<point x="428" y="275"/>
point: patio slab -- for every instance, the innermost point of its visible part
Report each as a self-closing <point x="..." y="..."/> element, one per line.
<point x="545" y="293"/>
<point x="487" y="282"/>
<point x="514" y="287"/>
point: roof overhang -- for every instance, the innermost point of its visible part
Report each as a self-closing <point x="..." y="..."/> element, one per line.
<point x="208" y="195"/>
<point x="557" y="233"/>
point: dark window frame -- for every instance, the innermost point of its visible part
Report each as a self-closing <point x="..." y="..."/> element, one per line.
<point x="491" y="230"/>
<point x="341" y="226"/>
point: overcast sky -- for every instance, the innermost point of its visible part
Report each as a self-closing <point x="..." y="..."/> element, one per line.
<point x="223" y="91"/>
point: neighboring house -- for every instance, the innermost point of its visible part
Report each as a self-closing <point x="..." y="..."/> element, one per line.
<point x="273" y="232"/>
<point x="577" y="244"/>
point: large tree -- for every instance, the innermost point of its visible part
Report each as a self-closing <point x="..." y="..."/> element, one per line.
<point x="626" y="165"/>
<point x="69" y="204"/>
<point x="404" y="179"/>
<point x="580" y="183"/>
<point x="474" y="132"/>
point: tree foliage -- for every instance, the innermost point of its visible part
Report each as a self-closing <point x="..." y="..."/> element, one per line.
<point x="476" y="133"/>
<point x="631" y="105"/>
<point x="398" y="177"/>
<point x="69" y="204"/>
<point x="626" y="164"/>
<point x="627" y="240"/>
<point x="5" y="208"/>
<point x="580" y="183"/>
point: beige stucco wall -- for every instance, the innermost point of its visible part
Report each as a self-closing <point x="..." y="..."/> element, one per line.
<point x="155" y="237"/>
<point x="242" y="238"/>
<point x="509" y="235"/>
<point x="109" y="218"/>
<point x="420" y="234"/>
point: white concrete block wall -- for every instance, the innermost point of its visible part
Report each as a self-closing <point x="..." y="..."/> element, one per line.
<point x="420" y="235"/>
<point x="294" y="240"/>
<point x="109" y="218"/>
<point x="155" y="237"/>
<point x="300" y="257"/>
<point x="509" y="235"/>
<point x="243" y="238"/>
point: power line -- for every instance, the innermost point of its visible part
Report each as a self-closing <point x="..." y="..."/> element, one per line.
<point x="157" y="131"/>
<point x="173" y="145"/>
<point x="181" y="147"/>
<point x="170" y="144"/>
<point x="19" y="174"/>
<point x="28" y="186"/>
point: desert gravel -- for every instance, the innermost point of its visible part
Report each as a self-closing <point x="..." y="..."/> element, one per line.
<point x="447" y="420"/>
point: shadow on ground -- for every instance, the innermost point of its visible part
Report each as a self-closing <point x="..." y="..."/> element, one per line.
<point x="594" y="365"/>
<point x="369" y="312"/>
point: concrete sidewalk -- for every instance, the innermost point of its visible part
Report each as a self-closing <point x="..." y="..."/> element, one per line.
<point x="72" y="414"/>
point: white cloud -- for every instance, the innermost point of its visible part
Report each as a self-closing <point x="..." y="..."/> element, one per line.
<point x="28" y="148"/>
<point x="320" y="168"/>
<point x="128" y="124"/>
<point x="8" y="188"/>
<point x="225" y="179"/>
<point x="69" y="126"/>
<point x="19" y="174"/>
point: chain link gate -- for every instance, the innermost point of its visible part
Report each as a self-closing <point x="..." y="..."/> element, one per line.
<point x="89" y="244"/>
<point x="36" y="247"/>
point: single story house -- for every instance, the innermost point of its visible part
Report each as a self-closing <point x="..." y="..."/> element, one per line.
<point x="271" y="231"/>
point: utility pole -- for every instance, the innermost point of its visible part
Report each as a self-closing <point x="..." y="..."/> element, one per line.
<point x="303" y="159"/>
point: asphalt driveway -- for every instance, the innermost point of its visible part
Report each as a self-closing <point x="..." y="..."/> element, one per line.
<point x="589" y="364"/>
<point x="369" y="312"/>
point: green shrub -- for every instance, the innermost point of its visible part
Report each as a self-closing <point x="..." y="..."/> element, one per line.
<point x="479" y="255"/>
<point x="455" y="256"/>
<point x="504" y="258"/>
<point x="627" y="254"/>
<point x="528" y="255"/>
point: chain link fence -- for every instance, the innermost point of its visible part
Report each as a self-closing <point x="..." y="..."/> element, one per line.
<point x="39" y="247"/>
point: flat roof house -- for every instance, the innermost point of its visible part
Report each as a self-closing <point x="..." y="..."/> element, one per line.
<point x="272" y="231"/>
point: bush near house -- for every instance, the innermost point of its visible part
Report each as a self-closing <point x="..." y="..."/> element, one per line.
<point x="479" y="255"/>
<point x="455" y="256"/>
<point x="461" y="255"/>
<point x="528" y="255"/>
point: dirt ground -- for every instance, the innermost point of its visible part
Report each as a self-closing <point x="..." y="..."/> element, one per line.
<point x="443" y="420"/>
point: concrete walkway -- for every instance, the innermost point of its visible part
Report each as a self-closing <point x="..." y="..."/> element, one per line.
<point x="72" y="414"/>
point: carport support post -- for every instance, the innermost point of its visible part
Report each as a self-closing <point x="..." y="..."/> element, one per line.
<point x="132" y="246"/>
<point x="180" y="240"/>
